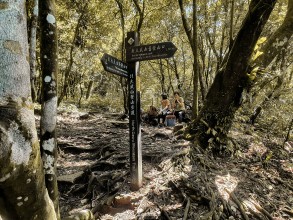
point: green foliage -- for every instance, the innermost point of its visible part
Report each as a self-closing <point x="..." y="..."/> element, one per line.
<point x="88" y="30"/>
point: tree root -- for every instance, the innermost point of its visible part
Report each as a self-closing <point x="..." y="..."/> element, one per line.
<point x="186" y="210"/>
<point x="289" y="212"/>
<point x="164" y="213"/>
<point x="258" y="216"/>
<point x="263" y="211"/>
<point x="238" y="203"/>
<point x="82" y="215"/>
<point x="106" y="199"/>
<point x="184" y="198"/>
<point x="215" y="211"/>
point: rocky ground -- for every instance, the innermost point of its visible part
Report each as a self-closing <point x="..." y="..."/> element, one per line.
<point x="93" y="169"/>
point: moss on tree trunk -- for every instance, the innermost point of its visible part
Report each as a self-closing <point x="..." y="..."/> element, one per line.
<point x="225" y="95"/>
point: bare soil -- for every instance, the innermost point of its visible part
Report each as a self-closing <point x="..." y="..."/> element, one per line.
<point x="93" y="169"/>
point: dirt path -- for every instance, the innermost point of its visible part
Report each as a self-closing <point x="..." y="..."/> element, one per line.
<point x="93" y="167"/>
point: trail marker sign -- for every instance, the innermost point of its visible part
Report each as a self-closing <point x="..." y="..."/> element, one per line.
<point x="150" y="51"/>
<point x="113" y="65"/>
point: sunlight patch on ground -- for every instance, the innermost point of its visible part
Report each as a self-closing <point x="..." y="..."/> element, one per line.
<point x="287" y="166"/>
<point x="173" y="207"/>
<point x="224" y="183"/>
<point x="251" y="204"/>
<point x="85" y="127"/>
<point x="155" y="184"/>
<point x="75" y="164"/>
<point x="185" y="143"/>
<point x="288" y="146"/>
<point x="256" y="149"/>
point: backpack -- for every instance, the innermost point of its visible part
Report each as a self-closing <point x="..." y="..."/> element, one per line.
<point x="153" y="111"/>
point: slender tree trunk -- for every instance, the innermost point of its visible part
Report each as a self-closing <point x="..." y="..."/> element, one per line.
<point x="231" y="23"/>
<point x="192" y="38"/>
<point x="66" y="83"/>
<point x="49" y="65"/>
<point x="32" y="48"/>
<point x="123" y="81"/>
<point x="89" y="90"/>
<point x="140" y="14"/>
<point x="81" y="91"/>
<point x="224" y="96"/>
<point x="162" y="76"/>
<point x="195" y="64"/>
<point x="23" y="194"/>
<point x="186" y="25"/>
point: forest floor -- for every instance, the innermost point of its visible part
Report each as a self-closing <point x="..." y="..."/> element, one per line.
<point x="93" y="169"/>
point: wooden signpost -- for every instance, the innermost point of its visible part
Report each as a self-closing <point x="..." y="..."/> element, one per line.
<point x="135" y="53"/>
<point x="132" y="39"/>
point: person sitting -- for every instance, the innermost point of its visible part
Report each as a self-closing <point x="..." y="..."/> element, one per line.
<point x="165" y="109"/>
<point x="179" y="107"/>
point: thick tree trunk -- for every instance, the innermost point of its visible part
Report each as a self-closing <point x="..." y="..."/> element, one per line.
<point x="49" y="64"/>
<point x="277" y="41"/>
<point x="224" y="96"/>
<point x="23" y="194"/>
<point x="275" y="46"/>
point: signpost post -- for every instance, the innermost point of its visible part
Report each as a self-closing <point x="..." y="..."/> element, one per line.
<point x="130" y="70"/>
<point x="132" y="39"/>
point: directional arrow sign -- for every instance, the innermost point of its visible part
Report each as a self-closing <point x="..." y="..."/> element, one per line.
<point x="113" y="65"/>
<point x="150" y="51"/>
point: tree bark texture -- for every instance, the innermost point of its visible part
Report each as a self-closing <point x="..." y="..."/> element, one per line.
<point x="277" y="41"/>
<point x="49" y="66"/>
<point x="224" y="96"/>
<point x="32" y="48"/>
<point x="23" y="194"/>
<point x="195" y="63"/>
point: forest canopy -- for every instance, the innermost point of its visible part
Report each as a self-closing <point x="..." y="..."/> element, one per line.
<point x="232" y="69"/>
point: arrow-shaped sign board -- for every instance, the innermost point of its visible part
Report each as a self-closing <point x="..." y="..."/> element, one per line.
<point x="113" y="65"/>
<point x="150" y="52"/>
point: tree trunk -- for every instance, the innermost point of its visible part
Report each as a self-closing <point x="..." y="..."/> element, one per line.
<point x="140" y="12"/>
<point x="89" y="90"/>
<point x="192" y="38"/>
<point x="123" y="81"/>
<point x="66" y="83"/>
<point x="32" y="48"/>
<point x="162" y="77"/>
<point x="195" y="64"/>
<point x="224" y="96"/>
<point x="277" y="41"/>
<point x="23" y="194"/>
<point x="231" y="31"/>
<point x="49" y="65"/>
<point x="275" y="46"/>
